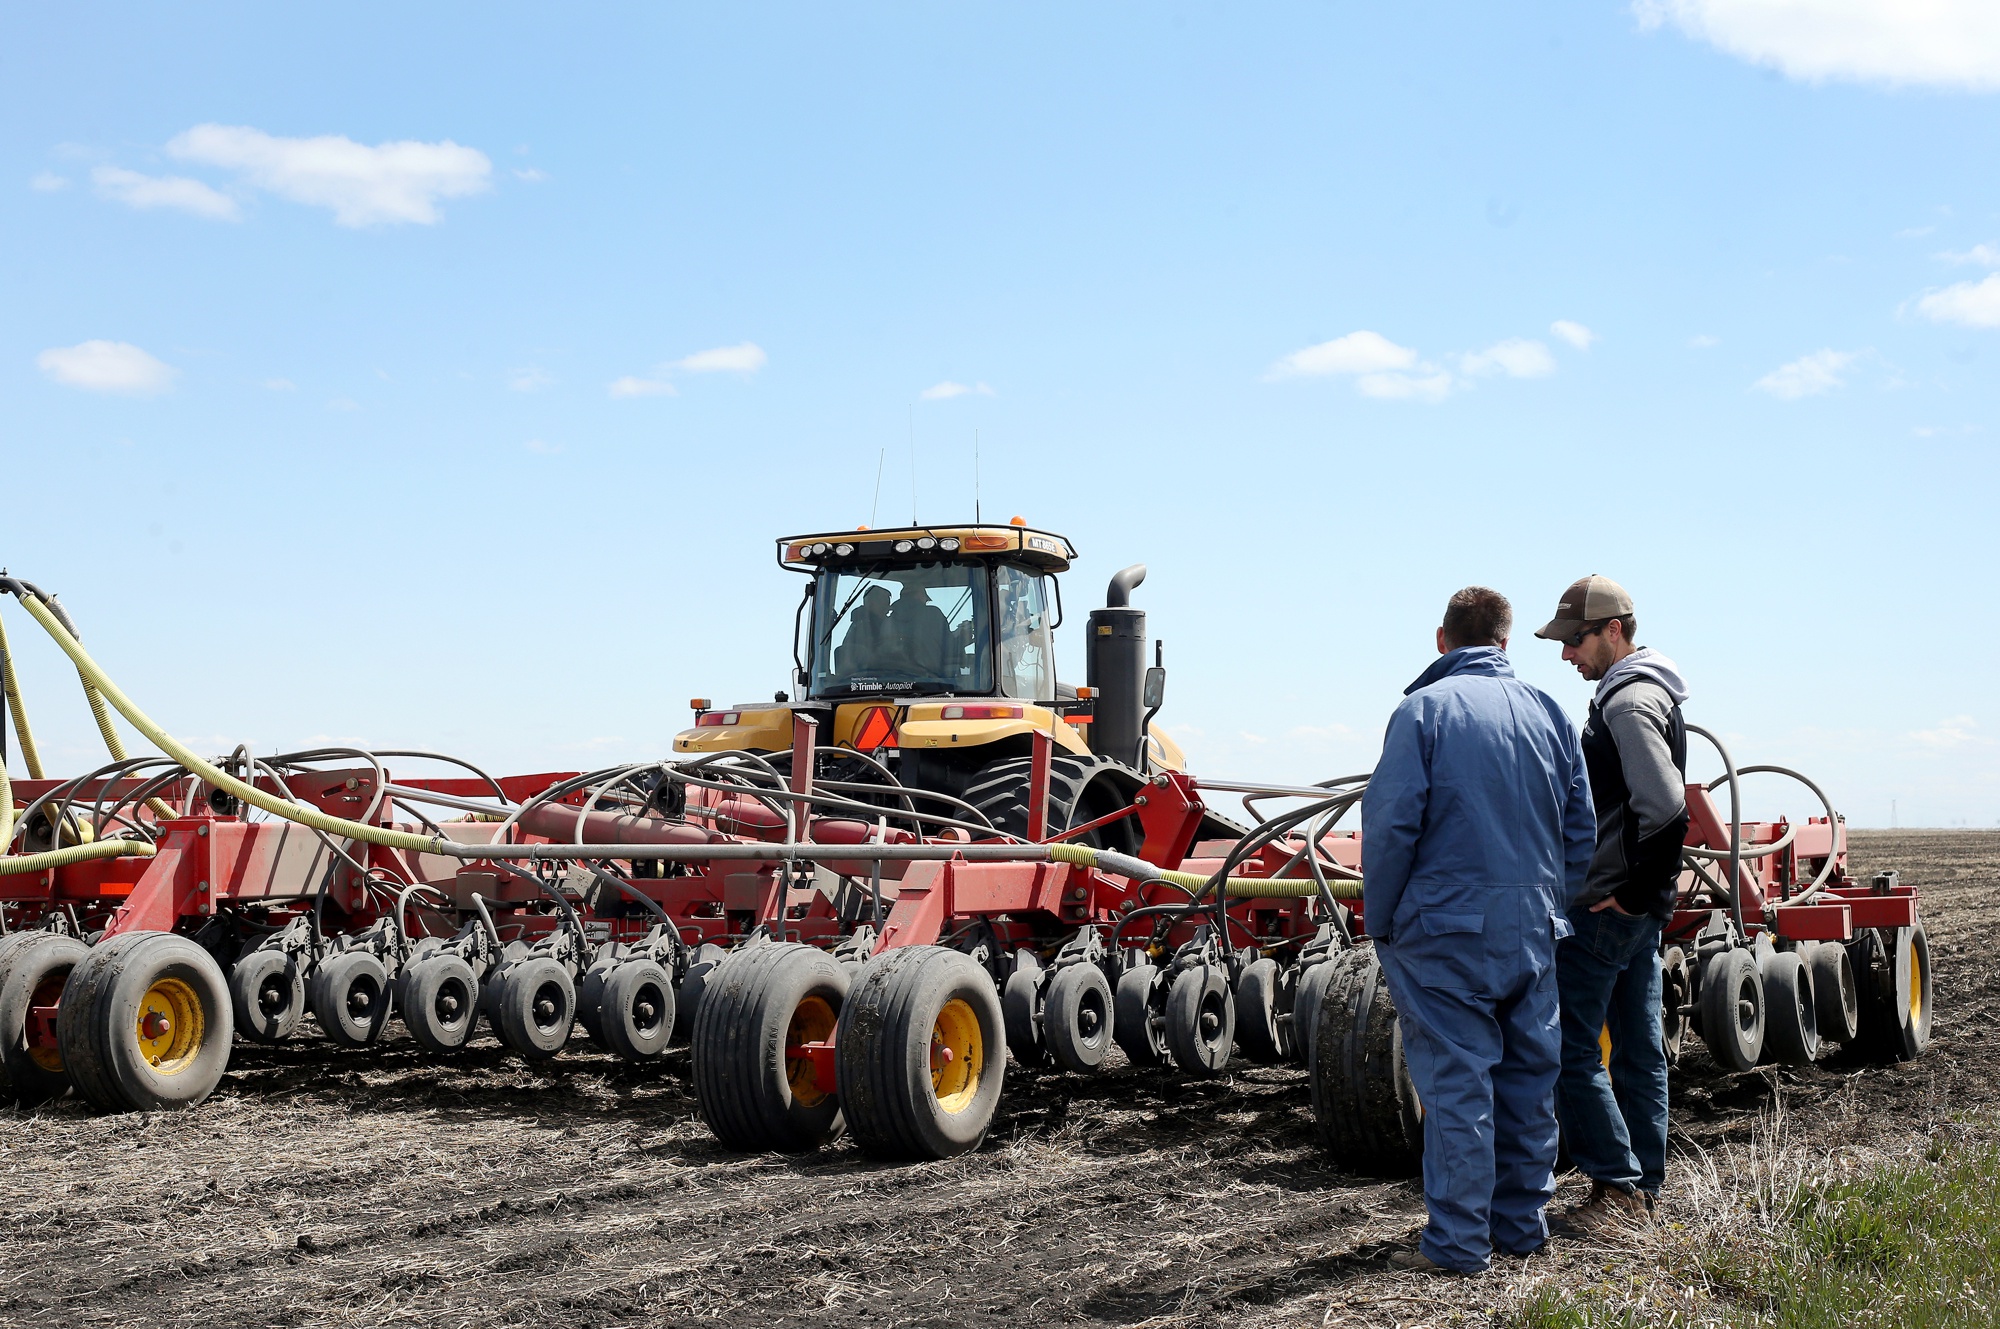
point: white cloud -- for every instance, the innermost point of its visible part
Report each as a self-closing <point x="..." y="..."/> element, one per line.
<point x="1969" y="304"/>
<point x="1914" y="232"/>
<point x="1516" y="357"/>
<point x="1947" y="43"/>
<point x="1361" y="352"/>
<point x="106" y="366"/>
<point x="948" y="389"/>
<point x="1807" y="376"/>
<point x="530" y="174"/>
<point x="343" y="404"/>
<point x="163" y="191"/>
<point x="1702" y="341"/>
<point x="1953" y="733"/>
<point x="631" y="386"/>
<point x="280" y="384"/>
<point x="529" y="379"/>
<point x="1985" y="256"/>
<point x="1575" y="334"/>
<point x="1407" y="387"/>
<point x="363" y="186"/>
<point x="543" y="447"/>
<point x="743" y="358"/>
<point x="48" y="182"/>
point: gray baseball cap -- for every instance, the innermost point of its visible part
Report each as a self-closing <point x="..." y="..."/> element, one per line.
<point x="1589" y="600"/>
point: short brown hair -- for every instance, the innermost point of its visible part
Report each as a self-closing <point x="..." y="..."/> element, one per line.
<point x="1477" y="616"/>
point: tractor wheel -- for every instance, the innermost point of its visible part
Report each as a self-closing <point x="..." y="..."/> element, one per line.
<point x="440" y="1002"/>
<point x="1135" y="1027"/>
<point x="635" y="1012"/>
<point x="1076" y="1017"/>
<point x="919" y="1053"/>
<point x="145" y="1023"/>
<point x="1732" y="1010"/>
<point x="1305" y="1006"/>
<point x="269" y="995"/>
<point x="1791" y="1020"/>
<point x="349" y="993"/>
<point x="1896" y="995"/>
<point x="1836" y="1000"/>
<point x="755" y="1088"/>
<point x="1260" y="1035"/>
<point x="1017" y="1015"/>
<point x="1081" y="789"/>
<point x="1201" y="1020"/>
<point x="534" y="1007"/>
<point x="33" y="968"/>
<point x="1364" y="1104"/>
<point x="687" y="998"/>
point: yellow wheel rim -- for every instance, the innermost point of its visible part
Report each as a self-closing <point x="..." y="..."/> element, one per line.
<point x="1916" y="987"/>
<point x="1604" y="1046"/>
<point x="812" y="1022"/>
<point x="170" y="1026"/>
<point x="48" y="993"/>
<point x="958" y="1056"/>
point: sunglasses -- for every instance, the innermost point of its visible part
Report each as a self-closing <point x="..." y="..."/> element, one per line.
<point x="1575" y="639"/>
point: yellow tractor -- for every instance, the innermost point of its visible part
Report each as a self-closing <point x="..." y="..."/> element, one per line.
<point x="926" y="656"/>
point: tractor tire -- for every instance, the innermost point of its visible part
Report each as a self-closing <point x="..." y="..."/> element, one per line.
<point x="635" y="1012"/>
<point x="1081" y="789"/>
<point x="1896" y="995"/>
<point x="145" y="1024"/>
<point x="34" y="966"/>
<point x="269" y="995"/>
<point x="1791" y="1018"/>
<point x="919" y="1052"/>
<point x="1201" y="1020"/>
<point x="1260" y="1035"/>
<point x="1836" y="999"/>
<point x="349" y="994"/>
<point x="1364" y="1105"/>
<point x="534" y="1007"/>
<point x="1676" y="994"/>
<point x="1077" y="1017"/>
<point x="440" y="1002"/>
<point x="756" y="1006"/>
<point x="1732" y="1010"/>
<point x="1305" y="1007"/>
<point x="687" y="997"/>
<point x="1134" y="1026"/>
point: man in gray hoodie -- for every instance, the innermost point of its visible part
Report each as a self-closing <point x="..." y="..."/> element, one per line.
<point x="1614" y="1121"/>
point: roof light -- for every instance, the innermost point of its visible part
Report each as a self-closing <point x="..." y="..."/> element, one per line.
<point x="700" y="703"/>
<point x="927" y="542"/>
<point x="981" y="713"/>
<point x="949" y="544"/>
<point x="819" y="550"/>
<point x="990" y="541"/>
<point x="1085" y="694"/>
<point x="1017" y="521"/>
<point x="843" y="549"/>
<point x="905" y="546"/>
<point x="715" y="718"/>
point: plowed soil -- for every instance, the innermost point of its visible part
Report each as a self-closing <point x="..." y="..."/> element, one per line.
<point x="379" y="1187"/>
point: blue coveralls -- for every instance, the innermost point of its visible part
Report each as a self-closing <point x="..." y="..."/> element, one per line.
<point x="1477" y="830"/>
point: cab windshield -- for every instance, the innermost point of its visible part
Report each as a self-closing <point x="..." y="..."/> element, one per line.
<point x="922" y="630"/>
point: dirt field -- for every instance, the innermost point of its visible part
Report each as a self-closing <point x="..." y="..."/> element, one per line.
<point x="321" y="1187"/>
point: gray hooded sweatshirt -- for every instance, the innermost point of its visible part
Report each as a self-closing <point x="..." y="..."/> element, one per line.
<point x="1637" y="783"/>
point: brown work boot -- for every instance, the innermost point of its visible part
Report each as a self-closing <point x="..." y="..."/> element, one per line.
<point x="1609" y="1212"/>
<point x="1416" y="1262"/>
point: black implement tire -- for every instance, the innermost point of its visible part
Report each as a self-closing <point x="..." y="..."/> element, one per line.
<point x="440" y="1001"/>
<point x="590" y="991"/>
<point x="635" y="1012"/>
<point x="1896" y="994"/>
<point x="1077" y="1016"/>
<point x="34" y="966"/>
<point x="1305" y="1007"/>
<point x="755" y="1005"/>
<point x="1017" y="1014"/>
<point x="687" y="998"/>
<point x="145" y="1023"/>
<point x="1260" y="1035"/>
<point x="1676" y="994"/>
<point x="269" y="994"/>
<point x="1732" y="1010"/>
<point x="920" y="1054"/>
<point x="1364" y="1104"/>
<point x="1134" y="1025"/>
<point x="534" y="1006"/>
<point x="1201" y="1020"/>
<point x="349" y="995"/>
<point x="1081" y="789"/>
<point x="1836" y="999"/>
<point x="1791" y="1019"/>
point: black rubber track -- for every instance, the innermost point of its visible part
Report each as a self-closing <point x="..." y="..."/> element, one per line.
<point x="888" y="1101"/>
<point x="738" y="1047"/>
<point x="1363" y="1103"/>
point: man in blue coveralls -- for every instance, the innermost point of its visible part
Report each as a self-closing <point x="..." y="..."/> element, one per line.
<point x="1477" y="830"/>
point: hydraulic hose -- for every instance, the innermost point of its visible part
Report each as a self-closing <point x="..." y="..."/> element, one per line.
<point x="55" y="858"/>
<point x="18" y="709"/>
<point x="112" y="743"/>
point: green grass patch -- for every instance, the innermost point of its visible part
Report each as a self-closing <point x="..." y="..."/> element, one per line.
<point x="1913" y="1244"/>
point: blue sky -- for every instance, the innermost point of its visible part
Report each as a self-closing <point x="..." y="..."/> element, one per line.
<point x="442" y="377"/>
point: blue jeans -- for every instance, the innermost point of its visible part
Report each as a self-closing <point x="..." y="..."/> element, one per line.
<point x="1614" y="1122"/>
